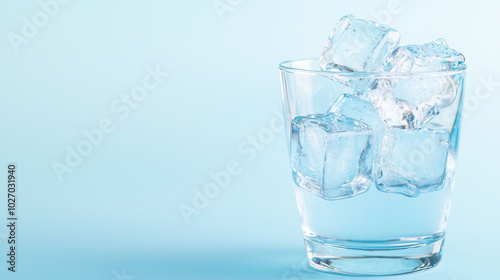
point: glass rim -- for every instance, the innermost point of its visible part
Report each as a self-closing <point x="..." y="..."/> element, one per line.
<point x="286" y="66"/>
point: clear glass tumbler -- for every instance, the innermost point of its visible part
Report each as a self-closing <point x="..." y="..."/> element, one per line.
<point x="373" y="172"/>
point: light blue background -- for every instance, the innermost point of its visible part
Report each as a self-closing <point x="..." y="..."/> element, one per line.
<point x="119" y="209"/>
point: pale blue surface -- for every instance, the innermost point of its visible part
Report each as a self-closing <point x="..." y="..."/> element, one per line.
<point x="119" y="208"/>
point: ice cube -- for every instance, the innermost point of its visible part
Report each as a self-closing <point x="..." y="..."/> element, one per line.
<point x="356" y="108"/>
<point x="413" y="101"/>
<point x="411" y="162"/>
<point x="439" y="89"/>
<point x="433" y="56"/>
<point x="361" y="110"/>
<point x="358" y="45"/>
<point x="393" y="111"/>
<point x="331" y="155"/>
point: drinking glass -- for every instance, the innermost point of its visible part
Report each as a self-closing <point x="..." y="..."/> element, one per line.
<point x="373" y="194"/>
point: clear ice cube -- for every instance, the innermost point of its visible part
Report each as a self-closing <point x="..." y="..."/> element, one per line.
<point x="356" y="108"/>
<point x="413" y="161"/>
<point x="411" y="102"/>
<point x="393" y="111"/>
<point x="358" y="45"/>
<point x="331" y="155"/>
<point x="361" y="110"/>
<point x="433" y="56"/>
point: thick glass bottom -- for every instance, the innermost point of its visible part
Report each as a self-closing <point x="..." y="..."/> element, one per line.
<point x="375" y="258"/>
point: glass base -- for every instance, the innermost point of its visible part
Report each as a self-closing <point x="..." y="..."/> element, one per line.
<point x="375" y="258"/>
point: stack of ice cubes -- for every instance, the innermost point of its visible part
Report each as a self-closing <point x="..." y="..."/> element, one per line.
<point x="382" y="133"/>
